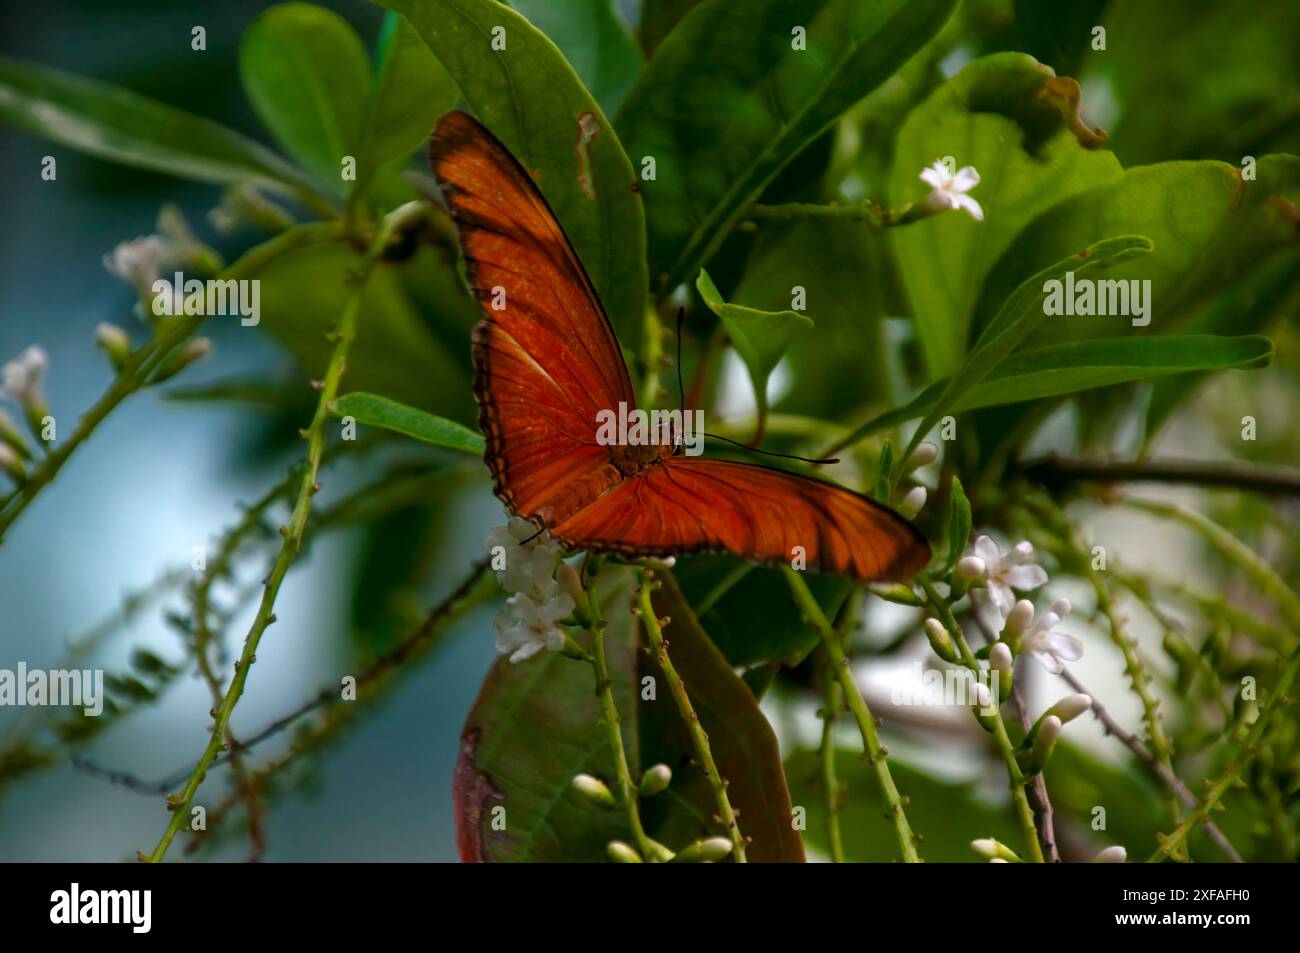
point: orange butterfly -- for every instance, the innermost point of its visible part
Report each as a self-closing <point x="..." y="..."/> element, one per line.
<point x="547" y="364"/>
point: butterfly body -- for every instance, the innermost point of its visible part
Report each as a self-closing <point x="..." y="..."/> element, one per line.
<point x="547" y="367"/>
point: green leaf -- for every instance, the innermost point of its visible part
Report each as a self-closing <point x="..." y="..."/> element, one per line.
<point x="759" y="337"/>
<point x="959" y="525"/>
<point x="1084" y="365"/>
<point x="1273" y="291"/>
<point x="1021" y="313"/>
<point x="121" y="126"/>
<point x="1211" y="230"/>
<point x="747" y="611"/>
<point x="395" y="352"/>
<point x="376" y="411"/>
<point x="411" y="90"/>
<point x="308" y="76"/>
<point x="884" y="488"/>
<point x="727" y="101"/>
<point x="1016" y="122"/>
<point x="535" y="725"/>
<point x="534" y="103"/>
<point x="740" y="737"/>
<point x="594" y="39"/>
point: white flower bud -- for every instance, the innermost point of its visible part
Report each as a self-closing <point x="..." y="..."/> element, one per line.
<point x="1000" y="657"/>
<point x="1111" y="855"/>
<point x="1070" y="707"/>
<point x="971" y="568"/>
<point x="593" y="789"/>
<point x="994" y="850"/>
<point x="706" y="851"/>
<point x="195" y="350"/>
<point x="1062" y="608"/>
<point x="655" y="780"/>
<point x="621" y="853"/>
<point x="912" y="503"/>
<point x="570" y="583"/>
<point x="1019" y="619"/>
<point x="940" y="640"/>
<point x="11" y="463"/>
<point x="922" y="456"/>
<point x="114" y="342"/>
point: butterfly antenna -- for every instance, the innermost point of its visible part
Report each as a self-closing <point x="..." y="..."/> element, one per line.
<point x="681" y="389"/>
<point x="772" y="453"/>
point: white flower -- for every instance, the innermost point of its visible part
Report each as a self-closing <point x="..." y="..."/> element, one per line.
<point x="949" y="191"/>
<point x="526" y="625"/>
<point x="1000" y="657"/>
<point x="23" y="375"/>
<point x="527" y="558"/>
<point x="1050" y="647"/>
<point x="1012" y="571"/>
<point x="138" y="262"/>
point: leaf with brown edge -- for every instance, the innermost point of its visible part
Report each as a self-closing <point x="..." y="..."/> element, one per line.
<point x="742" y="741"/>
<point x="536" y="724"/>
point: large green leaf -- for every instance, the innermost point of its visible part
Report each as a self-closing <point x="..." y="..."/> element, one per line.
<point x="535" y="725"/>
<point x="1084" y="365"/>
<point x="1183" y="102"/>
<point x="534" y="103"/>
<point x="594" y="39"/>
<point x="1023" y="311"/>
<point x="740" y="738"/>
<point x="761" y="338"/>
<point x="1016" y="122"/>
<point x="727" y="101"/>
<point x="394" y="354"/>
<point x="1210" y="229"/>
<point x="411" y="90"/>
<point x="308" y="76"/>
<point x="121" y="126"/>
<point x="377" y="411"/>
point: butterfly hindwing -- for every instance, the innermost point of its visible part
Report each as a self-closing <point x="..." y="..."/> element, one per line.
<point x="688" y="504"/>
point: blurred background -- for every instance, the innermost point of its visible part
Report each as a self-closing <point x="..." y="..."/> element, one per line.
<point x="163" y="476"/>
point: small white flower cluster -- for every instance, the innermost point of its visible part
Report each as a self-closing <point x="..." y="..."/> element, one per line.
<point x="23" y="377"/>
<point x="528" y="560"/>
<point x="138" y="262"/>
<point x="1000" y="574"/>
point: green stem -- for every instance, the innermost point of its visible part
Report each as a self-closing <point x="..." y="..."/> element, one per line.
<point x="293" y="535"/>
<point x="834" y="706"/>
<point x="1016" y="778"/>
<point x="1172" y="844"/>
<point x="795" y="211"/>
<point x="876" y="754"/>
<point x="627" y="790"/>
<point x="699" y="737"/>
<point x="139" y="367"/>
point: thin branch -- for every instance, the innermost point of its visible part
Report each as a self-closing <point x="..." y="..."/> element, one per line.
<point x="293" y="533"/>
<point x="1057" y="473"/>
<point x="875" y="752"/>
<point x="138" y="371"/>
<point x="1166" y="776"/>
<point x="699" y="737"/>
<point x="1044" y="816"/>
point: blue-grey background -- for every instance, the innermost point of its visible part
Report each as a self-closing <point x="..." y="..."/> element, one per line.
<point x="160" y="478"/>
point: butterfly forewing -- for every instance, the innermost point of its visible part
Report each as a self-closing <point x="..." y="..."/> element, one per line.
<point x="545" y="354"/>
